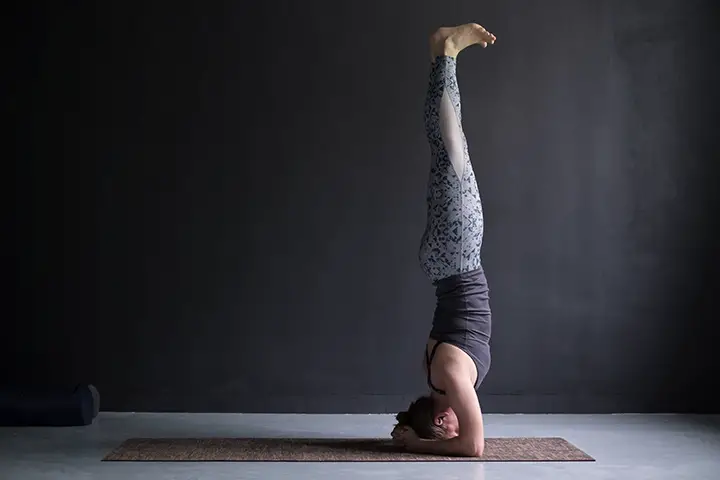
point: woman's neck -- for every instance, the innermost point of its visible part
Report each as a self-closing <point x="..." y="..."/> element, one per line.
<point x="441" y="402"/>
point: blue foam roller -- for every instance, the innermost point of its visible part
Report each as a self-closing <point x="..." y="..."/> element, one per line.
<point x="46" y="407"/>
<point x="95" y="399"/>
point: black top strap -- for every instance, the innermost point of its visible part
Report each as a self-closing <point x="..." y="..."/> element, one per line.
<point x="428" y="362"/>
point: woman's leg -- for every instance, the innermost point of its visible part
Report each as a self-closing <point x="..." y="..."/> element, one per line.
<point x="453" y="236"/>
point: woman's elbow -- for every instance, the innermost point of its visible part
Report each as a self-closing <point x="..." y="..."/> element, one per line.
<point x="475" y="447"/>
<point x="479" y="449"/>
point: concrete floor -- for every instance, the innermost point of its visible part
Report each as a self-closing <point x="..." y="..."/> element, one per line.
<point x="633" y="447"/>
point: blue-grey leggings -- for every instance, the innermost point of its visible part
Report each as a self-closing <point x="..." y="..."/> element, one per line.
<point x="453" y="236"/>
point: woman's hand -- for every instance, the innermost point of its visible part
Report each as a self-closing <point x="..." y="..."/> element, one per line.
<point x="404" y="436"/>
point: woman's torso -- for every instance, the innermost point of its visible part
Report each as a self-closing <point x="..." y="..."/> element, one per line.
<point x="461" y="327"/>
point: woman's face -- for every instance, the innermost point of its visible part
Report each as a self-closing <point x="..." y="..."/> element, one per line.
<point x="449" y="421"/>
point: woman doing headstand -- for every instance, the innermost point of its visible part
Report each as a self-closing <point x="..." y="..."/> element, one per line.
<point x="449" y="421"/>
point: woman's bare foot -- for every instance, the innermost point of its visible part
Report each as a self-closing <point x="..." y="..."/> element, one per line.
<point x="450" y="41"/>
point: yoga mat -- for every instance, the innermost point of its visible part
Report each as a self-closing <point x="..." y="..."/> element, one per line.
<point x="514" y="449"/>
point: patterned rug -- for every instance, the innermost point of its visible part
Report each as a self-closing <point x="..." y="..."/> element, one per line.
<point x="514" y="449"/>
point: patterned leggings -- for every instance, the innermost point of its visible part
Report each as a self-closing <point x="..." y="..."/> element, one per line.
<point x="453" y="236"/>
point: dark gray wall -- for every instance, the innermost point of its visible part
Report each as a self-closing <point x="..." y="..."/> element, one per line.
<point x="219" y="206"/>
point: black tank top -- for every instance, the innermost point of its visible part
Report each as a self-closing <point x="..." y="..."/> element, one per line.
<point x="463" y="319"/>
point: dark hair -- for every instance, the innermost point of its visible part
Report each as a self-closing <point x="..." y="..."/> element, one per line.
<point x="420" y="416"/>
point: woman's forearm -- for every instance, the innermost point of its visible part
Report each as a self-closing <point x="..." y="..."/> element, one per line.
<point x="456" y="446"/>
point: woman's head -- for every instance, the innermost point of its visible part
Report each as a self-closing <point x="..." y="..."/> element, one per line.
<point x="428" y="420"/>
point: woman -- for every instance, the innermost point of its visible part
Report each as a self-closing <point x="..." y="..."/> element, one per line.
<point x="448" y="421"/>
